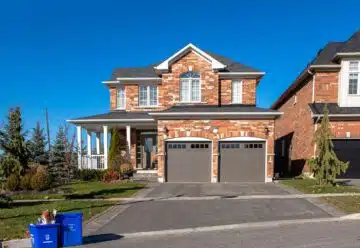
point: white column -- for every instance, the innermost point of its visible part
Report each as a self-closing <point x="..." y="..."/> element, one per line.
<point x="78" y="134"/>
<point x="105" y="147"/>
<point x="98" y="143"/>
<point x="128" y="140"/>
<point x="89" y="164"/>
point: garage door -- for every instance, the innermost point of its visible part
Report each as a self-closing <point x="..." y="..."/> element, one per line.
<point x="349" y="150"/>
<point x="242" y="161"/>
<point x="188" y="161"/>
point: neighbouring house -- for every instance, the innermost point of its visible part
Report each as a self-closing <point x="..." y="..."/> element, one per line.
<point x="190" y="118"/>
<point x="332" y="78"/>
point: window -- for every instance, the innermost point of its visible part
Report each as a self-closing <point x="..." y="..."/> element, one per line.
<point x="190" y="87"/>
<point x="148" y="96"/>
<point x="120" y="98"/>
<point x="236" y="91"/>
<point x="353" y="77"/>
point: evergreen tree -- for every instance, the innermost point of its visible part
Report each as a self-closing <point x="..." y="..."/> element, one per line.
<point x="13" y="145"/>
<point x="326" y="166"/>
<point x="115" y="156"/>
<point x="37" y="146"/>
<point x="58" y="152"/>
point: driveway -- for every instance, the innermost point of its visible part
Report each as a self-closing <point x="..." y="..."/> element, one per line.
<point x="215" y="189"/>
<point x="175" y="214"/>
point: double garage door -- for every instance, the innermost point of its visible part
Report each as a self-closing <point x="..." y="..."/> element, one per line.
<point x="347" y="150"/>
<point x="238" y="161"/>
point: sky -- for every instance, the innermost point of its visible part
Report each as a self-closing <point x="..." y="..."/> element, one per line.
<point x="55" y="54"/>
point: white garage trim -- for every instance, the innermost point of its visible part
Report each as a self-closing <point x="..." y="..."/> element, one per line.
<point x="194" y="139"/>
<point x="242" y="138"/>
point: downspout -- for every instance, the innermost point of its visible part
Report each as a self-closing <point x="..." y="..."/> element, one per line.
<point x="313" y="85"/>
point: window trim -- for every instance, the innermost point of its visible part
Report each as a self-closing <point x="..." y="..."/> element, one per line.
<point x="241" y="91"/>
<point x="117" y="98"/>
<point x="358" y="77"/>
<point x="148" y="96"/>
<point x="190" y="88"/>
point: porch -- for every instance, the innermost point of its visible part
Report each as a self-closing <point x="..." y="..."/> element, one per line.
<point x="138" y="137"/>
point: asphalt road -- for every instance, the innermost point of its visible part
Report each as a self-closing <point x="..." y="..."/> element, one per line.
<point x="329" y="235"/>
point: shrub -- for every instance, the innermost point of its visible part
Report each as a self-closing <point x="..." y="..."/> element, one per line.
<point x="126" y="168"/>
<point x="25" y="182"/>
<point x="5" y="201"/>
<point x="41" y="180"/>
<point x="89" y="174"/>
<point x="111" y="175"/>
<point x="12" y="182"/>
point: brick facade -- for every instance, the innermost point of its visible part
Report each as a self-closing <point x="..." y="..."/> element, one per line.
<point x="326" y="87"/>
<point x="340" y="128"/>
<point x="213" y="90"/>
<point x="215" y="130"/>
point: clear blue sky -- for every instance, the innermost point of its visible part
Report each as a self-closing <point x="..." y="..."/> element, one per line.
<point x="55" y="54"/>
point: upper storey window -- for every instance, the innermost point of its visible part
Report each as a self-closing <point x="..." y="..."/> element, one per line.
<point x="190" y="90"/>
<point x="120" y="98"/>
<point x="236" y="92"/>
<point x="354" y="73"/>
<point x="148" y="95"/>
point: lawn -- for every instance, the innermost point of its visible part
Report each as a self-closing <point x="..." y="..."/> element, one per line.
<point x="82" y="190"/>
<point x="14" y="220"/>
<point x="347" y="204"/>
<point x="309" y="186"/>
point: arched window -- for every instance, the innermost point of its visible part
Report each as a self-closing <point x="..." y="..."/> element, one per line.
<point x="190" y="87"/>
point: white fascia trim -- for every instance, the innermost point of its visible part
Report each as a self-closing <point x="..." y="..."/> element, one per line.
<point x="348" y="54"/>
<point x="325" y="66"/>
<point x="214" y="63"/>
<point x="217" y="113"/>
<point x="109" y="120"/>
<point x="242" y="138"/>
<point x="137" y="78"/>
<point x="241" y="73"/>
<point x="188" y="139"/>
<point x="337" y="115"/>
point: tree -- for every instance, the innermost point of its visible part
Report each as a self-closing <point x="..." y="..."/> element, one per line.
<point x="116" y="151"/>
<point x="326" y="166"/>
<point x="37" y="146"/>
<point x="13" y="145"/>
<point x="58" y="154"/>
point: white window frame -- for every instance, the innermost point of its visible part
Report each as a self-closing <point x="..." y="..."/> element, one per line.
<point x="358" y="77"/>
<point x="148" y="105"/>
<point x="189" y="81"/>
<point x="117" y="97"/>
<point x="238" y="100"/>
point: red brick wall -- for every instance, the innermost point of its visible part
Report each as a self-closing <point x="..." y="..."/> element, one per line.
<point x="205" y="129"/>
<point x="169" y="88"/>
<point x="296" y="127"/>
<point x="339" y="128"/>
<point x="326" y="87"/>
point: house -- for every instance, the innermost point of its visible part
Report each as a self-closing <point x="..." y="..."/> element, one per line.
<point x="332" y="78"/>
<point x="189" y="118"/>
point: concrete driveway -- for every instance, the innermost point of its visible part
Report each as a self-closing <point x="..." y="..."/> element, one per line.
<point x="215" y="189"/>
<point x="155" y="215"/>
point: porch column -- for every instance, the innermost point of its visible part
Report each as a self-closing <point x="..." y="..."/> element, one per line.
<point x="98" y="143"/>
<point x="105" y="147"/>
<point x="128" y="141"/>
<point x="78" y="134"/>
<point x="89" y="164"/>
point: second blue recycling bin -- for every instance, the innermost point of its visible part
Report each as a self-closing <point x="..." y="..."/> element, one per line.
<point x="70" y="228"/>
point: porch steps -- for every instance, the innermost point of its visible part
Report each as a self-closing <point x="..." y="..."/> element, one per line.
<point x="145" y="176"/>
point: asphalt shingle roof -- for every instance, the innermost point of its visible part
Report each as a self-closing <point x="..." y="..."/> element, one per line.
<point x="334" y="109"/>
<point x="117" y="115"/>
<point x="217" y="108"/>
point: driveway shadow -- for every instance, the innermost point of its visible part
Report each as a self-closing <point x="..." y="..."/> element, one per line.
<point x="98" y="238"/>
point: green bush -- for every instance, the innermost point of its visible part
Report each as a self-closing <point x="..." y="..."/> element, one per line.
<point x="12" y="182"/>
<point x="5" y="201"/>
<point x="25" y="182"/>
<point x="89" y="174"/>
<point x="41" y="180"/>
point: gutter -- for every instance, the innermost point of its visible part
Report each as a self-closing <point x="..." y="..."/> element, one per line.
<point x="216" y="113"/>
<point x="336" y="115"/>
<point x="109" y="120"/>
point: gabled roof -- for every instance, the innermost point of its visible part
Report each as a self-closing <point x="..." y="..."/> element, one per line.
<point x="334" y="109"/>
<point x="219" y="62"/>
<point x="351" y="45"/>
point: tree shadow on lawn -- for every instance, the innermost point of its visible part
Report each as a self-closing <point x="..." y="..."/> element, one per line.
<point x="99" y="194"/>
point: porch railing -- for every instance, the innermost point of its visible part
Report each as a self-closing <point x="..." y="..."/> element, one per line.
<point x="92" y="161"/>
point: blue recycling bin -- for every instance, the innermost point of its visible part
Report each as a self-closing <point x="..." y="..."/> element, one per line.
<point x="70" y="228"/>
<point x="44" y="236"/>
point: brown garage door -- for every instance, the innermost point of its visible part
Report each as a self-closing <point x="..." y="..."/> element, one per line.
<point x="242" y="161"/>
<point x="188" y="161"/>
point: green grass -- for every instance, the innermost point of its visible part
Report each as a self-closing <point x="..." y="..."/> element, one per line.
<point x="14" y="220"/>
<point x="309" y="186"/>
<point x="347" y="204"/>
<point x="82" y="190"/>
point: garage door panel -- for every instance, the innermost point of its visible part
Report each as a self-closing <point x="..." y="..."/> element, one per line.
<point x="348" y="151"/>
<point x="188" y="162"/>
<point x="242" y="162"/>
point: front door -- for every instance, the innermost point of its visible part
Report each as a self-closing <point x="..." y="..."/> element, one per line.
<point x="148" y="151"/>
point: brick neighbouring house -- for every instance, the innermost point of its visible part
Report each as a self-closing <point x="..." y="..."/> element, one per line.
<point x="191" y="118"/>
<point x="332" y="78"/>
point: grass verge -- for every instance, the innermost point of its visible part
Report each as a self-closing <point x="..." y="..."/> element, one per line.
<point x="346" y="204"/>
<point x="14" y="220"/>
